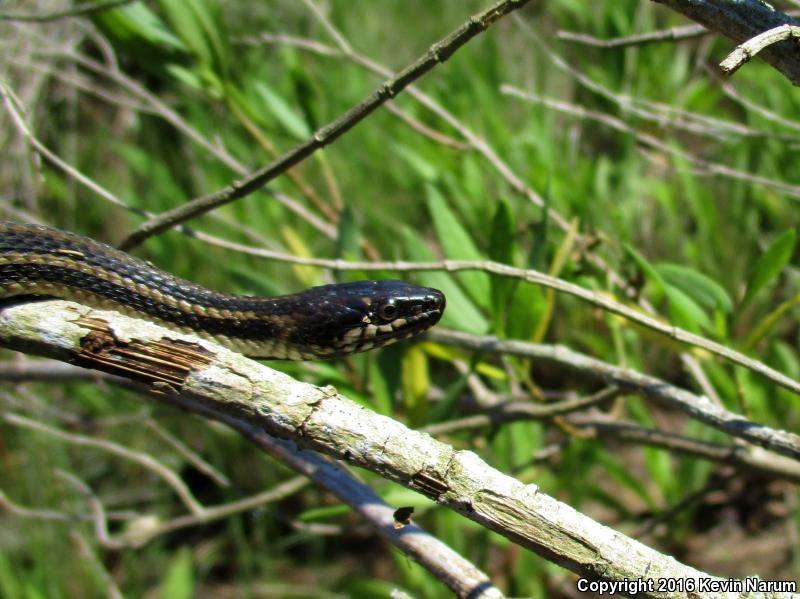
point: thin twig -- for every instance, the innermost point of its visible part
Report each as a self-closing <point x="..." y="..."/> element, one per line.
<point x="473" y="140"/>
<point x="214" y="148"/>
<point x="653" y="142"/>
<point x="424" y="130"/>
<point x="741" y="456"/>
<point x="98" y="511"/>
<point x="437" y="54"/>
<point x="656" y="112"/>
<point x="662" y="35"/>
<point x="514" y="411"/>
<point x="11" y="104"/>
<point x="141" y="535"/>
<point x="145" y="460"/>
<point x="188" y="454"/>
<point x="34" y="514"/>
<point x="325" y="228"/>
<point x="729" y="90"/>
<point x="696" y="406"/>
<point x="713" y="484"/>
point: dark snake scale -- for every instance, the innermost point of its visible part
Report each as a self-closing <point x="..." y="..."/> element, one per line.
<point x="319" y="323"/>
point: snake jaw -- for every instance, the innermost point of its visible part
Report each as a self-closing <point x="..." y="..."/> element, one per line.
<point x="416" y="310"/>
<point x="353" y="317"/>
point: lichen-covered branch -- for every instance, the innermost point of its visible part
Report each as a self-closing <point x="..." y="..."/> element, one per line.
<point x="324" y="420"/>
<point x="48" y="328"/>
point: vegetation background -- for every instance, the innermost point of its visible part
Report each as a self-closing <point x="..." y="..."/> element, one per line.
<point x="683" y="184"/>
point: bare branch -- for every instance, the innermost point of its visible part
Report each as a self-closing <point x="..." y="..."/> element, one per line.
<point x="662" y="114"/>
<point x="498" y="412"/>
<point x="747" y="456"/>
<point x="513" y="411"/>
<point x="459" y="574"/>
<point x="34" y="514"/>
<point x="437" y="54"/>
<point x="149" y="529"/>
<point x="13" y="109"/>
<point x="742" y="20"/>
<point x="696" y="406"/>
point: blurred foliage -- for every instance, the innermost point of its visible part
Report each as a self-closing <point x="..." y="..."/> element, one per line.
<point x="714" y="254"/>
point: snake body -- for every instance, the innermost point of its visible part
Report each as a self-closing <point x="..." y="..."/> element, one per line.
<point x="319" y="323"/>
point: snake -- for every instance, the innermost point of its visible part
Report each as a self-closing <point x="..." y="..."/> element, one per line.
<point x="328" y="321"/>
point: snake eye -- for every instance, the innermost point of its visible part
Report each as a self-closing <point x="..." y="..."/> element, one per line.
<point x="387" y="312"/>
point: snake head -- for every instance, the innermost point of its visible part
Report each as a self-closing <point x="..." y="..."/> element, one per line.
<point x="346" y="318"/>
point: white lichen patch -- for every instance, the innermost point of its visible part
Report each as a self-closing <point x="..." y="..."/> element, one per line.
<point x="44" y="322"/>
<point x="223" y="384"/>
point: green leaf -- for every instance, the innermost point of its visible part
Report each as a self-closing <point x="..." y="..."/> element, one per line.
<point x="538" y="251"/>
<point x="501" y="249"/>
<point x="765" y="325"/>
<point x="453" y="392"/>
<point x="416" y="383"/>
<point x="9" y="579"/>
<point x="424" y="169"/>
<point x="381" y="396"/>
<point x="661" y="466"/>
<point x="199" y="25"/>
<point x="701" y="288"/>
<point x="624" y="477"/>
<point x="189" y="77"/>
<point x="327" y="512"/>
<point x="650" y="273"/>
<point x="559" y="260"/>
<point x="458" y="245"/>
<point x="528" y="307"/>
<point x="179" y="581"/>
<point x="397" y="495"/>
<point x="136" y="21"/>
<point x="684" y="311"/>
<point x="348" y="246"/>
<point x="770" y="264"/>
<point x="501" y="239"/>
<point x="282" y="111"/>
<point x="786" y="358"/>
<point x="461" y="313"/>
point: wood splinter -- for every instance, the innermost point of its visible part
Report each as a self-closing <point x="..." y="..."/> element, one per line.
<point x="163" y="364"/>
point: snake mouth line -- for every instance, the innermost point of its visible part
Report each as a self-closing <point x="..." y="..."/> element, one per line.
<point x="404" y="327"/>
<point x="371" y="336"/>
